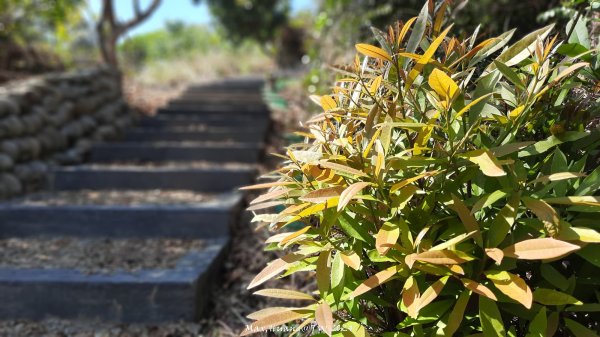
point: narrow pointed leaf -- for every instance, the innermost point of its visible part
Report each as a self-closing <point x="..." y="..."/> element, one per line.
<point x="539" y="249"/>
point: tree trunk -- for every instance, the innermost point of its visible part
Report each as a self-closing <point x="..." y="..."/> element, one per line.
<point x="109" y="30"/>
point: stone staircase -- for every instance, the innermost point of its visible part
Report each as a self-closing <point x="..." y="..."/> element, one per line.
<point x="207" y="141"/>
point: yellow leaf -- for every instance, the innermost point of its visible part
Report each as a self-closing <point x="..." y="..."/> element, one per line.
<point x="405" y="29"/>
<point x="380" y="159"/>
<point x="351" y="259"/>
<point x="423" y="60"/>
<point x="443" y="85"/>
<point x="454" y="241"/>
<point x="432" y="292"/>
<point x="513" y="114"/>
<point x="557" y="177"/>
<point x="470" y="105"/>
<point x="478" y="288"/>
<point x="567" y="232"/>
<point x="575" y="200"/>
<point x="372" y="51"/>
<point x="386" y="237"/>
<point x="375" y="85"/>
<point x="294" y="235"/>
<point x="273" y="320"/>
<point x="322" y="195"/>
<point x="411" y="296"/>
<point x="376" y="280"/>
<point x="441" y="257"/>
<point x="324" y="317"/>
<point x="284" y="294"/>
<point x="495" y="254"/>
<point x="512" y="286"/>
<point x="539" y="249"/>
<point x="349" y="193"/>
<point x="274" y="268"/>
<point x="405" y="182"/>
<point x="488" y="164"/>
<point x="328" y="103"/>
<point x="332" y="202"/>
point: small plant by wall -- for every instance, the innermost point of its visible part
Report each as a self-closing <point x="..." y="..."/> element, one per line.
<point x="440" y="193"/>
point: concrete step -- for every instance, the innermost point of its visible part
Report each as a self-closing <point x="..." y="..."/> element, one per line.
<point x="216" y="107"/>
<point x="192" y="122"/>
<point x="258" y="114"/>
<point x="43" y="214"/>
<point x="130" y="177"/>
<point x="180" y="134"/>
<point x="150" y="295"/>
<point x="175" y="151"/>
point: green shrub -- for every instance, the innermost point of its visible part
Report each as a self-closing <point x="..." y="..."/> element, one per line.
<point x="439" y="194"/>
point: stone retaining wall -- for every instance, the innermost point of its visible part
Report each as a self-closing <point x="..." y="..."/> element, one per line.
<point x="53" y="120"/>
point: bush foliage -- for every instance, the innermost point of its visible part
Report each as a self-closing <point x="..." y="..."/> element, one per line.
<point x="441" y="193"/>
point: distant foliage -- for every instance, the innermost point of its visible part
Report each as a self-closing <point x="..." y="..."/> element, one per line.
<point x="442" y="192"/>
<point x="258" y="20"/>
<point x="176" y="40"/>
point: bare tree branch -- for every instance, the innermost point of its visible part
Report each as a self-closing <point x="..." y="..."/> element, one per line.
<point x="137" y="8"/>
<point x="139" y="17"/>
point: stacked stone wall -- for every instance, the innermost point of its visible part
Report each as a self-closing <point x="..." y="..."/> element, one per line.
<point x="54" y="120"/>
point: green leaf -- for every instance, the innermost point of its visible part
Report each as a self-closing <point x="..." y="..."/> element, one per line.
<point x="488" y="200"/>
<point x="491" y="320"/>
<point x="587" y="307"/>
<point x="457" y="313"/>
<point x="502" y="223"/>
<point x="418" y="30"/>
<point x="510" y="74"/>
<point x="537" y="327"/>
<point x="355" y="229"/>
<point x="550" y="142"/>
<point x="590" y="184"/>
<point x="571" y="49"/>
<point x="554" y="277"/>
<point x="524" y="47"/>
<point x="323" y="271"/>
<point x="579" y="330"/>
<point x="591" y="253"/>
<point x="553" y="297"/>
<point x="337" y="276"/>
<point x="580" y="32"/>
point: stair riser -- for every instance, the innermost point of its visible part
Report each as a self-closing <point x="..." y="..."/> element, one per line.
<point x="177" y="136"/>
<point x="147" y="296"/>
<point x="117" y="222"/>
<point x="189" y="179"/>
<point x="120" y="153"/>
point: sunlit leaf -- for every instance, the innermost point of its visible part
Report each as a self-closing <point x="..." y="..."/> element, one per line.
<point x="372" y="51"/>
<point x="512" y="286"/>
<point x="539" y="249"/>
<point x="324" y="317"/>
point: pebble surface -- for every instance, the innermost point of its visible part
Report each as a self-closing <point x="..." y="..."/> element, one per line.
<point x="95" y="256"/>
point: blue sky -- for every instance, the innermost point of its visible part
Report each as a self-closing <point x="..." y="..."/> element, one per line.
<point x="182" y="10"/>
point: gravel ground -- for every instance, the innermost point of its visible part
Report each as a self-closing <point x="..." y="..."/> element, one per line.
<point x="62" y="328"/>
<point x="117" y="197"/>
<point x="94" y="256"/>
